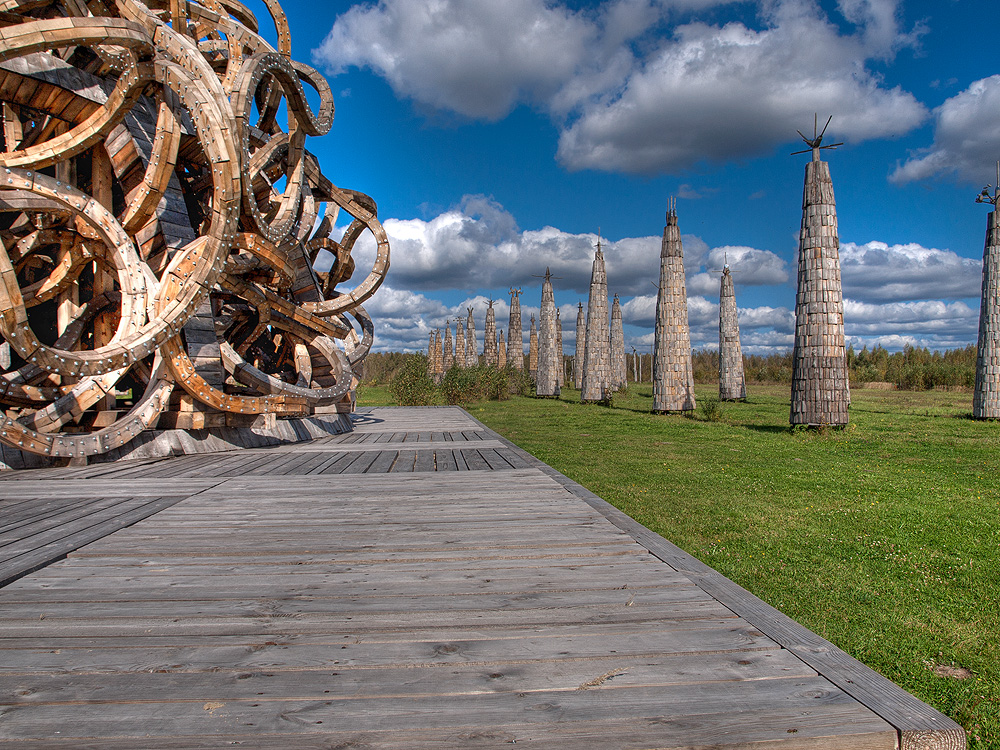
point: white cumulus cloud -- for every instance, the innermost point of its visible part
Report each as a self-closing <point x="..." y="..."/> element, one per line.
<point x="966" y="138"/>
<point x="876" y="271"/>
<point x="638" y="86"/>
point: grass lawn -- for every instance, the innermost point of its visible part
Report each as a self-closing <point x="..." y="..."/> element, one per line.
<point x="883" y="537"/>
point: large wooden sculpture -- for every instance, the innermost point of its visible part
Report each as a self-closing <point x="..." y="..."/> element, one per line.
<point x="160" y="227"/>
<point x="820" y="388"/>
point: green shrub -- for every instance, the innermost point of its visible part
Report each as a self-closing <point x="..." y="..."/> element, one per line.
<point x="462" y="385"/>
<point x="710" y="408"/>
<point x="521" y="382"/>
<point x="411" y="385"/>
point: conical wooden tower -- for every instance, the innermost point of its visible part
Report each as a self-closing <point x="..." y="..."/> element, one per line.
<point x="430" y="355"/>
<point x="515" y="332"/>
<point x="533" y="350"/>
<point x="471" y="345"/>
<point x="617" y="346"/>
<point x="438" y="356"/>
<point x="820" y="393"/>
<point x="732" y="383"/>
<point x="546" y="379"/>
<point x="673" y="372"/>
<point x="490" y="337"/>
<point x="501" y="350"/>
<point x="596" y="354"/>
<point x="449" y="352"/>
<point x="986" y="398"/>
<point x="460" y="343"/>
<point x="560" y="359"/>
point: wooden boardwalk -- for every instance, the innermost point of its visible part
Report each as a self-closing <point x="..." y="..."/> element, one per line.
<point x="418" y="583"/>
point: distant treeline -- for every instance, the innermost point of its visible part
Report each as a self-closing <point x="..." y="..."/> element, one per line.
<point x="912" y="369"/>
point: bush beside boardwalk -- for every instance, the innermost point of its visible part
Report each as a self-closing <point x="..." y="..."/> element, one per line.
<point x="883" y="538"/>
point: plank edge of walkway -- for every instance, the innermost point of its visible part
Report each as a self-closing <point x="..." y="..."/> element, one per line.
<point x="919" y="726"/>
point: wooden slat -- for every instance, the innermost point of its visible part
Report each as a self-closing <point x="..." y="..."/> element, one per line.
<point x="38" y="551"/>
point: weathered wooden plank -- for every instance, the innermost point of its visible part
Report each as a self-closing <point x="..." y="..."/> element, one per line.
<point x="323" y="446"/>
<point x="360" y="463"/>
<point x="251" y="606"/>
<point x="320" y="585"/>
<point x="405" y="461"/>
<point x="347" y="653"/>
<point x="533" y="675"/>
<point x="51" y="525"/>
<point x="425" y="461"/>
<point x="445" y="460"/>
<point x="44" y="550"/>
<point x="383" y="463"/>
<point x="788" y="704"/>
<point x="474" y="460"/>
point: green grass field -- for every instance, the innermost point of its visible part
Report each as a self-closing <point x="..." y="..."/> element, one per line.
<point x="883" y="537"/>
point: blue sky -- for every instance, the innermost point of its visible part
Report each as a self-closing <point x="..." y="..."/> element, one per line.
<point x="497" y="137"/>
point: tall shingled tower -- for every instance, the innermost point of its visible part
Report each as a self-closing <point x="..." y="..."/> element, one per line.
<point x="515" y="332"/>
<point x="533" y="349"/>
<point x="732" y="383"/>
<point x="460" y="343"/>
<point x="449" y="352"/>
<point x="820" y="394"/>
<point x="546" y="379"/>
<point x="596" y="354"/>
<point x="471" y="345"/>
<point x="618" y="374"/>
<point x="581" y="343"/>
<point x="560" y="360"/>
<point x="501" y="350"/>
<point x="986" y="398"/>
<point x="673" y="372"/>
<point x="490" y="337"/>
<point x="438" y="356"/>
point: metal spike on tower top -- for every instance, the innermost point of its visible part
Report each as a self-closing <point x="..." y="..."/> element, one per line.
<point x="815" y="143"/>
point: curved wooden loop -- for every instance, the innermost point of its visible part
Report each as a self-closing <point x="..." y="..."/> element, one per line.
<point x="35" y="36"/>
<point x="124" y="430"/>
<point x="363" y="219"/>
